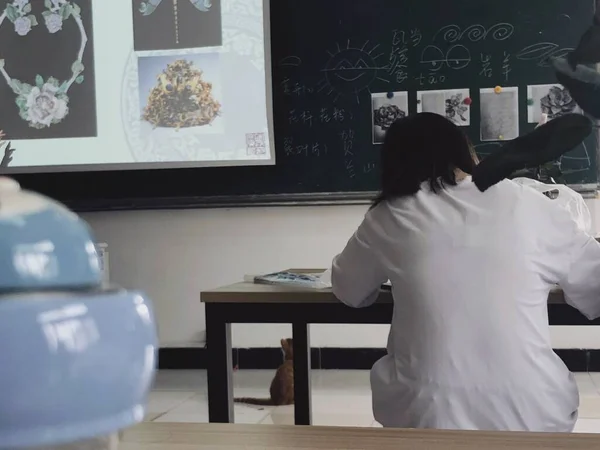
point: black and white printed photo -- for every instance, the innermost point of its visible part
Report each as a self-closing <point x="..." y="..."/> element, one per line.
<point x="176" y="24"/>
<point x="386" y="110"/>
<point x="47" y="78"/>
<point x="450" y="103"/>
<point x="551" y="99"/>
<point x="499" y="114"/>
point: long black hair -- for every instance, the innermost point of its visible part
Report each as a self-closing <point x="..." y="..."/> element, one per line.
<point x="419" y="148"/>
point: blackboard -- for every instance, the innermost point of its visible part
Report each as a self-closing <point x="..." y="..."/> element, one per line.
<point x="328" y="57"/>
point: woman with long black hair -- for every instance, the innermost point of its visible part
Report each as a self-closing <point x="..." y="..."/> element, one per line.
<point x="469" y="345"/>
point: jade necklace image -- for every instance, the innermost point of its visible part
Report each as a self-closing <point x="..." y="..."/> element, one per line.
<point x="45" y="102"/>
<point x="148" y="7"/>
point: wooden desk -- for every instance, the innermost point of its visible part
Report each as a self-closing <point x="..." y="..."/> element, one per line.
<point x="258" y="303"/>
<point x="187" y="436"/>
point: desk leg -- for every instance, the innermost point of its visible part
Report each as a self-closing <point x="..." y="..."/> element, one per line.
<point x="219" y="368"/>
<point x="302" y="391"/>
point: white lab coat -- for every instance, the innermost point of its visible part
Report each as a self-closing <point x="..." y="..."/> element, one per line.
<point x="567" y="198"/>
<point x="469" y="345"/>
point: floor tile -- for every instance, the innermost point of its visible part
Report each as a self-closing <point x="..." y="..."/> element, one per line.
<point x="284" y="415"/>
<point x="595" y="376"/>
<point x="181" y="380"/>
<point x="195" y="410"/>
<point x="336" y="381"/>
<point x="163" y="401"/>
<point x="339" y="398"/>
<point x="589" y="407"/>
<point x="587" y="426"/>
<point x="585" y="384"/>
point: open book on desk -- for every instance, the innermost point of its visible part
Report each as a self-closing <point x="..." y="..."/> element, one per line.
<point x="299" y="280"/>
<point x="293" y="280"/>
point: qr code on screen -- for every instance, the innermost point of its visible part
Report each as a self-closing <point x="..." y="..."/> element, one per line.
<point x="255" y="144"/>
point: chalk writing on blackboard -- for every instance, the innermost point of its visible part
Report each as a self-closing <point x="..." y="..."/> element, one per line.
<point x="454" y="33"/>
<point x="486" y="66"/>
<point x="295" y="88"/>
<point x="348" y="143"/>
<point x="350" y="70"/>
<point x="292" y="116"/>
<point x="311" y="149"/>
<point x="542" y="52"/>
<point x="457" y="57"/>
<point x="580" y="160"/>
<point x="398" y="60"/>
<point x="368" y="168"/>
<point x="399" y="37"/>
<point x="398" y="63"/>
<point x="292" y="61"/>
<point x="415" y="37"/>
<point x="506" y="69"/>
<point x="431" y="79"/>
<point x="322" y="115"/>
<point x="304" y="117"/>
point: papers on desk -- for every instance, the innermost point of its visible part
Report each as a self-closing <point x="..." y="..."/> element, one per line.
<point x="299" y="280"/>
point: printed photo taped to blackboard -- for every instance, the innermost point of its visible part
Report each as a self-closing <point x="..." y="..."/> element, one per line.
<point x="386" y="109"/>
<point x="453" y="104"/>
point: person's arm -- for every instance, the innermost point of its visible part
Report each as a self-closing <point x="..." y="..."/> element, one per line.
<point x="581" y="281"/>
<point x="356" y="273"/>
<point x="578" y="264"/>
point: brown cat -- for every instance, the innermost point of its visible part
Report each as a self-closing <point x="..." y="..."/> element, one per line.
<point x="282" y="386"/>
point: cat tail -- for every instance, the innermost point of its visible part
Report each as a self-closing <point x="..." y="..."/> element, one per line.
<point x="255" y="401"/>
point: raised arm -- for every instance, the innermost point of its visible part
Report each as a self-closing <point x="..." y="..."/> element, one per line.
<point x="356" y="273"/>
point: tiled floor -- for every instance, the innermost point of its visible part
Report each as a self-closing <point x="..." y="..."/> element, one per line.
<point x="339" y="398"/>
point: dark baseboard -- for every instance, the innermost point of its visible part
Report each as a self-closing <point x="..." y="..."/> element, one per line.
<point x="577" y="360"/>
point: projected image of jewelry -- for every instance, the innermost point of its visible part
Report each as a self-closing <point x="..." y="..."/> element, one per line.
<point x="182" y="95"/>
<point x="44" y="102"/>
<point x="242" y="109"/>
<point x="174" y="24"/>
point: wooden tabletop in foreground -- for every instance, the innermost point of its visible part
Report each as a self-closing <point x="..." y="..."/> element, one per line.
<point x="187" y="436"/>
<point x="245" y="292"/>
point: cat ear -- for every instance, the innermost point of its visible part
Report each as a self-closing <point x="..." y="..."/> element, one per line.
<point x="284" y="344"/>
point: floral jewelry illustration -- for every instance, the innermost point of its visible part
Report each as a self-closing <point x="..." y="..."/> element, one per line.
<point x="147" y="8"/>
<point x="46" y="102"/>
<point x="181" y="98"/>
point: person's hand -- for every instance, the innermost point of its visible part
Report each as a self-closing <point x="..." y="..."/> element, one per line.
<point x="543" y="120"/>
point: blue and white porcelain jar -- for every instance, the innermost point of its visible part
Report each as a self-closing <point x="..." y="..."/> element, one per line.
<point x="76" y="360"/>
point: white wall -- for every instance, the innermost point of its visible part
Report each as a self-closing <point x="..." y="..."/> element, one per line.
<point x="173" y="255"/>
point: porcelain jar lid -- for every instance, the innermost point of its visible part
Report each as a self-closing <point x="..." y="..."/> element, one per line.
<point x="43" y="245"/>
